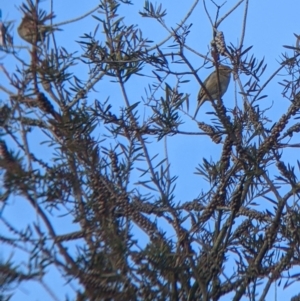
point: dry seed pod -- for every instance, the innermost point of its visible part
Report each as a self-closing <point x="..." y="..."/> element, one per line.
<point x="220" y="43"/>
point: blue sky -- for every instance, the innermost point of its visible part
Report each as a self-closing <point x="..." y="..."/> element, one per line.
<point x="270" y="25"/>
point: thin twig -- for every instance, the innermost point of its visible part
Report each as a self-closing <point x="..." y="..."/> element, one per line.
<point x="244" y="25"/>
<point x="177" y="28"/>
<point x="229" y="12"/>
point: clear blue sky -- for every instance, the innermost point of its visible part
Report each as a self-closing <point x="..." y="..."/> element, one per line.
<point x="270" y="25"/>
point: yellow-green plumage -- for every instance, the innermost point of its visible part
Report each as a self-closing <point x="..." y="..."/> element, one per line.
<point x="216" y="87"/>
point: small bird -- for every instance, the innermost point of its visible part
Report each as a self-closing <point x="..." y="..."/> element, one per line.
<point x="30" y="32"/>
<point x="216" y="87"/>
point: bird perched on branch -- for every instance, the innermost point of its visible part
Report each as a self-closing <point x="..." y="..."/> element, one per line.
<point x="32" y="31"/>
<point x="216" y="85"/>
